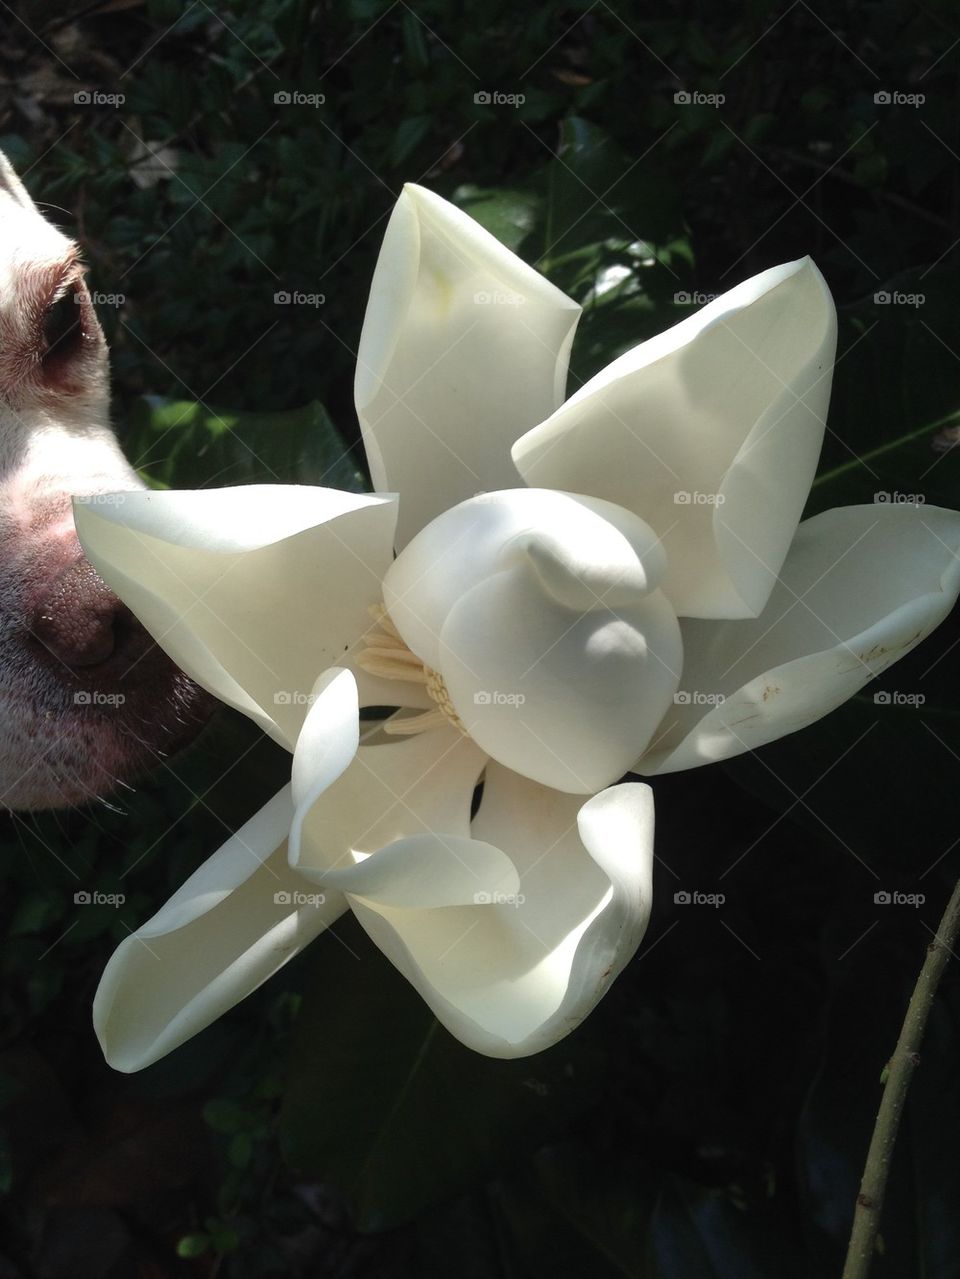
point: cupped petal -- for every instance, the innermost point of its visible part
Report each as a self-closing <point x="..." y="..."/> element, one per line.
<point x="406" y="787"/>
<point x="252" y="590"/>
<point x="711" y="432"/>
<point x="238" y="919"/>
<point x="464" y="347"/>
<point x="566" y="698"/>
<point x="513" y="973"/>
<point x="860" y="588"/>
<point x="587" y="553"/>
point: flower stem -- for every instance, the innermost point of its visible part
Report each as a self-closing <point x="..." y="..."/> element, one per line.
<point x="897" y="1076"/>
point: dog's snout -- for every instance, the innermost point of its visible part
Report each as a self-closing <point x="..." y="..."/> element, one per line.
<point x="99" y="696"/>
<point x="78" y="619"/>
<point x="87" y="700"/>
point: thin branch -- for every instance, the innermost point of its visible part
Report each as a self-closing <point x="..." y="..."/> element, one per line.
<point x="899" y="1072"/>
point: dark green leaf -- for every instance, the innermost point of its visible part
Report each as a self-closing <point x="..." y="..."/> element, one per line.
<point x="183" y="443"/>
<point x="384" y="1103"/>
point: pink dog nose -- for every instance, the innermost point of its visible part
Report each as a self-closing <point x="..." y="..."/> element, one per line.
<point x="78" y="618"/>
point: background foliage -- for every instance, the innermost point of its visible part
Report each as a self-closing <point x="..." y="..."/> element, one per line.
<point x="710" y="1120"/>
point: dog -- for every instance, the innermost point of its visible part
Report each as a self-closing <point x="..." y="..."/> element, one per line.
<point x="87" y="700"/>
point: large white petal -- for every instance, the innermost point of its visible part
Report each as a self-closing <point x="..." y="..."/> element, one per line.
<point x="405" y="787"/>
<point x="463" y="348"/>
<point x="514" y="973"/>
<point x="238" y="919"/>
<point x="253" y="591"/>
<point x="711" y="432"/>
<point x="860" y="588"/>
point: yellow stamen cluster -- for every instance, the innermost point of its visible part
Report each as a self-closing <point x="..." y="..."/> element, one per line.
<point x="387" y="656"/>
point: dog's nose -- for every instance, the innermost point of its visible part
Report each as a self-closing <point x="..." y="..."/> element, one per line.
<point x="78" y="618"/>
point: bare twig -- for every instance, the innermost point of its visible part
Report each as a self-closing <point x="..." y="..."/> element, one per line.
<point x="897" y="1076"/>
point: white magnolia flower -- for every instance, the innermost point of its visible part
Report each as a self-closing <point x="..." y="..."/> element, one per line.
<point x="527" y="629"/>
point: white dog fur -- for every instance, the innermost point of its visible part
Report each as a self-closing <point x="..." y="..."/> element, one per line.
<point x="86" y="700"/>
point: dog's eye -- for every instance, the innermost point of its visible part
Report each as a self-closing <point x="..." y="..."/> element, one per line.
<point x="62" y="327"/>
